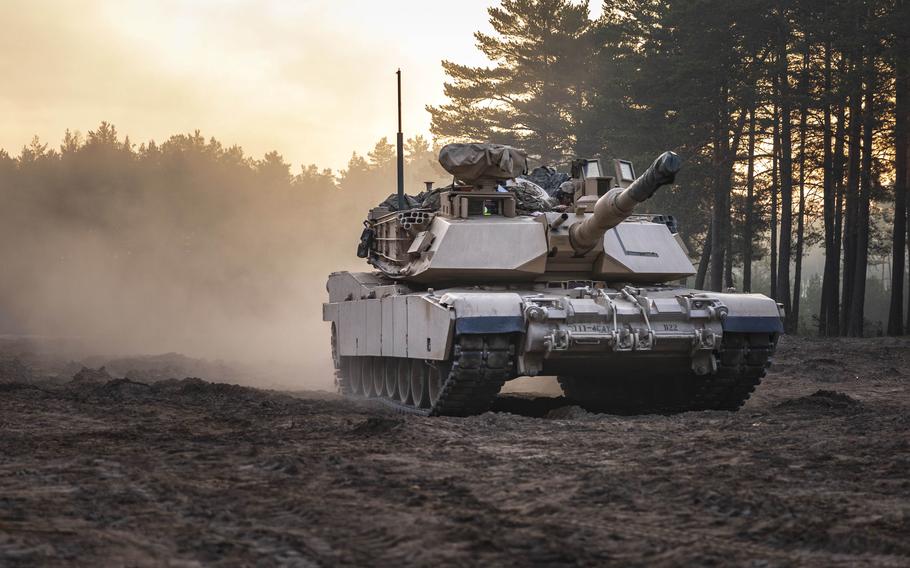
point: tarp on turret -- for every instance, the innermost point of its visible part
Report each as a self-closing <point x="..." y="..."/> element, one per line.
<point x="471" y="162"/>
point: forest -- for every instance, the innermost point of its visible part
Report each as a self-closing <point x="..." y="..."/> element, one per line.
<point x="791" y="118"/>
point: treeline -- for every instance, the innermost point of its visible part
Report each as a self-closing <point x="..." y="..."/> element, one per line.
<point x="791" y="117"/>
<point x="182" y="240"/>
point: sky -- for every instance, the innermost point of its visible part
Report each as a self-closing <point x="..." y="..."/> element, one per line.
<point x="313" y="79"/>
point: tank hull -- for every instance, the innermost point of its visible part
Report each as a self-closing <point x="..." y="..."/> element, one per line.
<point x="448" y="351"/>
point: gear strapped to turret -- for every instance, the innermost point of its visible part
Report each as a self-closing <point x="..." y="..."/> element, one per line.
<point x="472" y="163"/>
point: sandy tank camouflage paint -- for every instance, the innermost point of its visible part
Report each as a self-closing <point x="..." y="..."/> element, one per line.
<point x="473" y="290"/>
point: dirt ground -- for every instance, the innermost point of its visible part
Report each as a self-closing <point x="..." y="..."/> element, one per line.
<point x="100" y="470"/>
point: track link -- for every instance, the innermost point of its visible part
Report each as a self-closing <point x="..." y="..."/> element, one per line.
<point x="742" y="361"/>
<point x="480" y="365"/>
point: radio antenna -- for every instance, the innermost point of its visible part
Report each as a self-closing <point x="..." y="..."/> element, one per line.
<point x="401" y="202"/>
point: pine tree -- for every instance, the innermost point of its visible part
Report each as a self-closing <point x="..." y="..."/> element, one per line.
<point x="533" y="95"/>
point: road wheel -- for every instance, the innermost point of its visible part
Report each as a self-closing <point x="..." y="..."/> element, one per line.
<point x="377" y="367"/>
<point x="366" y="373"/>
<point x="405" y="372"/>
<point x="419" y="384"/>
<point x="390" y="378"/>
<point x="355" y="370"/>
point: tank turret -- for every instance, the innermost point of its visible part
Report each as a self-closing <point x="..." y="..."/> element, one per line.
<point x="491" y="226"/>
<point x="618" y="203"/>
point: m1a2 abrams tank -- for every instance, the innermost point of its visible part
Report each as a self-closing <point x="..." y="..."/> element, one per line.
<point x="470" y="294"/>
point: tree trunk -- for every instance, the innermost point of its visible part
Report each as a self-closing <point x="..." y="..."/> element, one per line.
<point x="798" y="269"/>
<point x="834" y="311"/>
<point x="750" y="190"/>
<point x="851" y="195"/>
<point x="857" y="304"/>
<point x="829" y="275"/>
<point x="801" y="215"/>
<point x="725" y="152"/>
<point x="786" y="185"/>
<point x="732" y="152"/>
<point x="703" y="262"/>
<point x="899" y="235"/>
<point x="721" y="210"/>
<point x="775" y="151"/>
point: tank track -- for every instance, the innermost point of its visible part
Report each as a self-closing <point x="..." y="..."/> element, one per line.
<point x="479" y="367"/>
<point x="742" y="362"/>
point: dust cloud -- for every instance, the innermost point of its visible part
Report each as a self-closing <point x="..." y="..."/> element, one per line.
<point x="190" y="247"/>
<point x="91" y="302"/>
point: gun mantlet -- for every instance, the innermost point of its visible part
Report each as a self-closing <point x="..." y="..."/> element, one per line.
<point x="618" y="203"/>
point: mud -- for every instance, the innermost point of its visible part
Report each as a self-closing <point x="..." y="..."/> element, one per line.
<point x="815" y="470"/>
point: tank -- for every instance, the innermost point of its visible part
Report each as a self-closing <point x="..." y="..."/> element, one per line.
<point x="470" y="289"/>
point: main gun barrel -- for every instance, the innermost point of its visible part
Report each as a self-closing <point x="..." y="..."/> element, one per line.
<point x="617" y="204"/>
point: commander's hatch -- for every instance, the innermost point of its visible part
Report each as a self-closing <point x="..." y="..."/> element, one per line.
<point x="594" y="183"/>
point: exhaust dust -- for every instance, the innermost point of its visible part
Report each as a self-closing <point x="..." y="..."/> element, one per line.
<point x="189" y="246"/>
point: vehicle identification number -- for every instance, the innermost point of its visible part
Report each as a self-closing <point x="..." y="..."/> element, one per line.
<point x="589" y="328"/>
